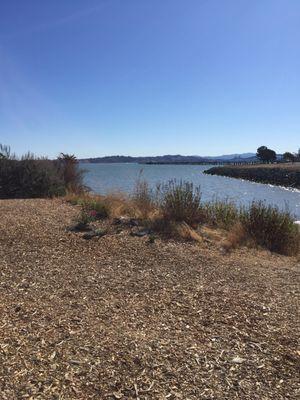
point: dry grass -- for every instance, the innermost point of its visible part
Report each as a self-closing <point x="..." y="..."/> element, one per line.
<point x="119" y="318"/>
<point x="143" y="200"/>
<point x="177" y="206"/>
<point x="184" y="231"/>
<point x="119" y="204"/>
<point x="290" y="166"/>
<point x="237" y="236"/>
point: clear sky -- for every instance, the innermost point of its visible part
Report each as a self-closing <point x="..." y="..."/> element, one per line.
<point x="149" y="77"/>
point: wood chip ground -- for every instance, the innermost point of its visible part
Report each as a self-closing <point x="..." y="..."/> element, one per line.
<point x="120" y="318"/>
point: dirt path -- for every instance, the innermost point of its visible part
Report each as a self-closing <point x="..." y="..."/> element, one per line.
<point x="118" y="318"/>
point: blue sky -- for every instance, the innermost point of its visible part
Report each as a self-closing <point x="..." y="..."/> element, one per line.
<point x="149" y="77"/>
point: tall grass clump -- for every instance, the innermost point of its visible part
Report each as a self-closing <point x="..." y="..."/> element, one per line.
<point x="143" y="199"/>
<point x="32" y="177"/>
<point x="271" y="228"/>
<point x="223" y="214"/>
<point x="180" y="202"/>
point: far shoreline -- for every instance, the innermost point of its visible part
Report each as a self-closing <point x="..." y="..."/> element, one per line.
<point x="282" y="175"/>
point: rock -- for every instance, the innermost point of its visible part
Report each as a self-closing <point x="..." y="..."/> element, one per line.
<point x="96" y="233"/>
<point x="100" y="232"/>
<point x="78" y="227"/>
<point x="125" y="221"/>
<point x="140" y="233"/>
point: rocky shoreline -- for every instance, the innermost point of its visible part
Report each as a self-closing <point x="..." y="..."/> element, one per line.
<point x="281" y="175"/>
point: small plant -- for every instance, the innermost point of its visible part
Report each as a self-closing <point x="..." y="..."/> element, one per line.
<point x="95" y="208"/>
<point x="93" y="205"/>
<point x="223" y="214"/>
<point x="152" y="238"/>
<point x="271" y="228"/>
<point x="180" y="202"/>
<point x="85" y="217"/>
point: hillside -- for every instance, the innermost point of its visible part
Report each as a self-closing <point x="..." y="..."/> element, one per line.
<point x="170" y="159"/>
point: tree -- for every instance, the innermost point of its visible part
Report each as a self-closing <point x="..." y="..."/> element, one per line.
<point x="266" y="155"/>
<point x="289" y="157"/>
<point x="72" y="175"/>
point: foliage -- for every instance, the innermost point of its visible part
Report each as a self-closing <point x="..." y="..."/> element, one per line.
<point x="84" y="217"/>
<point x="223" y="214"/>
<point x="95" y="208"/>
<point x="289" y="157"/>
<point x="30" y="177"/>
<point x="180" y="202"/>
<point x="271" y="228"/>
<point x="92" y="205"/>
<point x="72" y="174"/>
<point x="266" y="155"/>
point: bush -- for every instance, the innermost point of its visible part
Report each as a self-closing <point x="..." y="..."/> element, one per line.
<point x="223" y="214"/>
<point x="31" y="177"/>
<point x="180" y="202"/>
<point x="271" y="228"/>
<point x="84" y="217"/>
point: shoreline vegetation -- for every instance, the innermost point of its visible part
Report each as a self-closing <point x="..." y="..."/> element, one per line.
<point x="172" y="209"/>
<point x="175" y="210"/>
<point x="286" y="174"/>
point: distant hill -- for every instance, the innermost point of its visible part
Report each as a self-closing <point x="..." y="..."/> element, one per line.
<point x="232" y="156"/>
<point x="177" y="158"/>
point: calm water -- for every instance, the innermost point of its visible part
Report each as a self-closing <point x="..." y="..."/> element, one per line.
<point x="104" y="178"/>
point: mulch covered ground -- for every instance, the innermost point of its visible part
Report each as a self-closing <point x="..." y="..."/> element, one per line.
<point x="119" y="318"/>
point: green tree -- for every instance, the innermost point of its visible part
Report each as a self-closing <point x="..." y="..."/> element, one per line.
<point x="266" y="155"/>
<point x="289" y="157"/>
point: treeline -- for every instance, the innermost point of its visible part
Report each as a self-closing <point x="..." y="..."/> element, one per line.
<point x="266" y="155"/>
<point x="35" y="177"/>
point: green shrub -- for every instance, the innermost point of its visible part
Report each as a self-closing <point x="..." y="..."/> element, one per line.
<point x="271" y="228"/>
<point x="223" y="214"/>
<point x="84" y="217"/>
<point x="180" y="202"/>
<point x="31" y="177"/>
